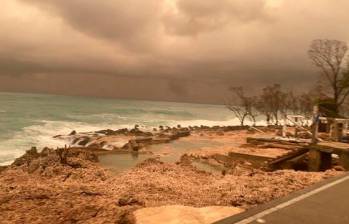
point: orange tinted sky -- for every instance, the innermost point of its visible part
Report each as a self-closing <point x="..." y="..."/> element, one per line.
<point x="183" y="50"/>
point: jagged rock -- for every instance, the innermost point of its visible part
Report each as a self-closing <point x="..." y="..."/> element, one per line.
<point x="106" y="132"/>
<point x="122" y="131"/>
<point x="82" y="141"/>
<point x="28" y="156"/>
<point x="73" y="132"/>
<point x="136" y="131"/>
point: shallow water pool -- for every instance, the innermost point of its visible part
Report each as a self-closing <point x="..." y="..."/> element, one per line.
<point x="122" y="161"/>
<point x="168" y="153"/>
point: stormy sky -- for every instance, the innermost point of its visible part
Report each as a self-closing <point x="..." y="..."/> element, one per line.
<point x="178" y="50"/>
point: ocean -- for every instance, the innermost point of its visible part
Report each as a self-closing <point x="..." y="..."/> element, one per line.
<point x="28" y="120"/>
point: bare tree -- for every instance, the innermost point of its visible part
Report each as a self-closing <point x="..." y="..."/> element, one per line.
<point x="272" y="103"/>
<point x="243" y="106"/>
<point x="292" y="103"/>
<point x="329" y="56"/>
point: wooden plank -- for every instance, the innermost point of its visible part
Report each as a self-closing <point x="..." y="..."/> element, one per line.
<point x="289" y="156"/>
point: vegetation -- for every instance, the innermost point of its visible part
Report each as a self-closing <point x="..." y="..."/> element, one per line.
<point x="244" y="107"/>
<point x="329" y="57"/>
<point x="274" y="103"/>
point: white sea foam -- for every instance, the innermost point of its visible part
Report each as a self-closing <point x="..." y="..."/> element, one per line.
<point x="41" y="135"/>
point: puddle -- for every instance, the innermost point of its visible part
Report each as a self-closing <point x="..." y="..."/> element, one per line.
<point x="172" y="152"/>
<point x="168" y="153"/>
<point x="123" y="161"/>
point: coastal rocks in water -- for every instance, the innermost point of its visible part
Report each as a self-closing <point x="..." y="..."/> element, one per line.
<point x="123" y="131"/>
<point x="81" y="141"/>
<point x="180" y="134"/>
<point x="106" y="132"/>
<point x="96" y="144"/>
<point x="138" y="132"/>
<point x="73" y="132"/>
<point x="27" y="157"/>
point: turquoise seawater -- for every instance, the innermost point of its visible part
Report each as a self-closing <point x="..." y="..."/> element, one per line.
<point x="28" y="120"/>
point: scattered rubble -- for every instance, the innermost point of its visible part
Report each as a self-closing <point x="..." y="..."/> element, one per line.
<point x="69" y="186"/>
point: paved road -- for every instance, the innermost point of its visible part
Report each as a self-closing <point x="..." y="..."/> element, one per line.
<point x="325" y="203"/>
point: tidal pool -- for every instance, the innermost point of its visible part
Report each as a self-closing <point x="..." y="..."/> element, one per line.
<point x="168" y="153"/>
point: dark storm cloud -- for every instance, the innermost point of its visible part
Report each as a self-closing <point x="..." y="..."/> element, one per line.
<point x="129" y="22"/>
<point x="189" y="50"/>
<point x="196" y="16"/>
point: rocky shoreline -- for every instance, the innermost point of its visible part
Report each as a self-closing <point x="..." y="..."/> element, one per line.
<point x="68" y="185"/>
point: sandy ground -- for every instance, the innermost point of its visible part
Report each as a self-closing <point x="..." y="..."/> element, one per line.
<point x="178" y="214"/>
<point x="232" y="142"/>
<point x="45" y="190"/>
<point x="70" y="187"/>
